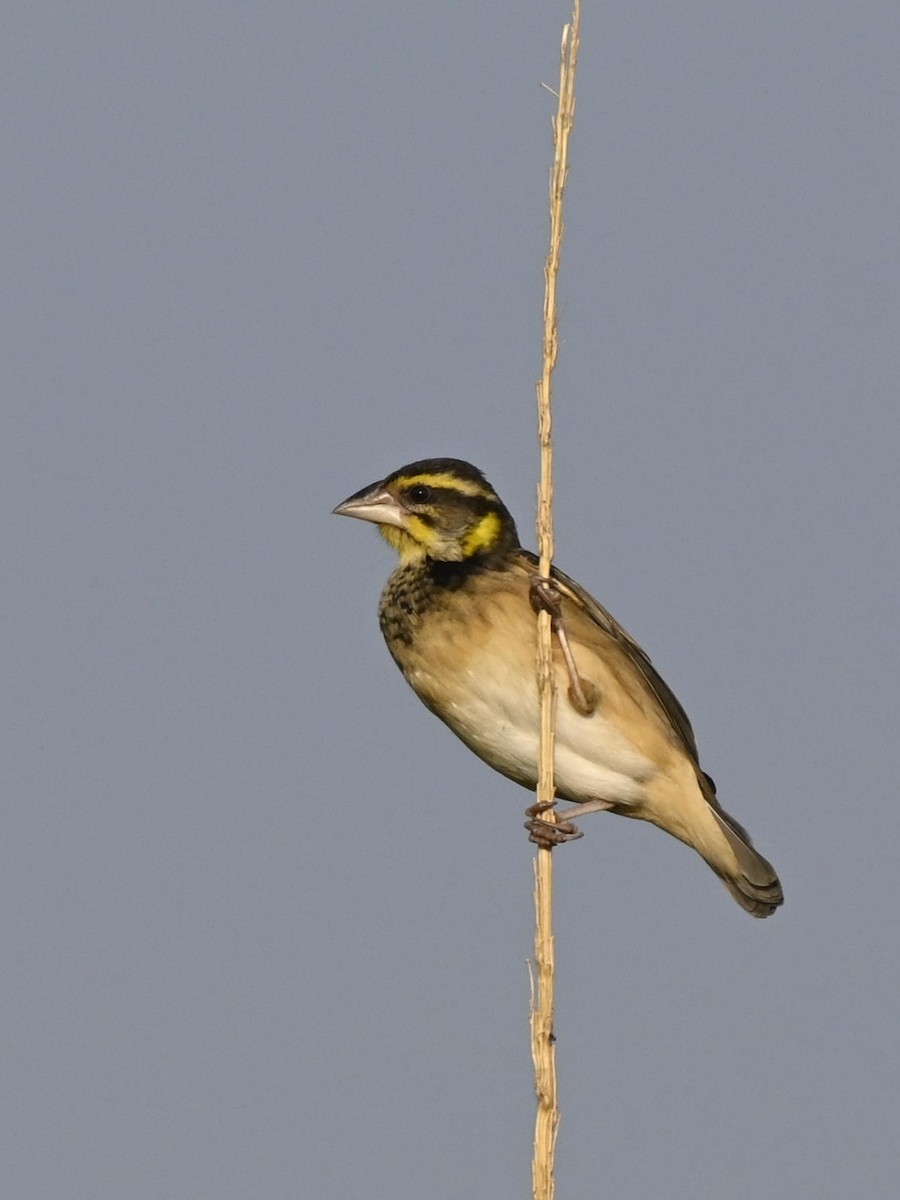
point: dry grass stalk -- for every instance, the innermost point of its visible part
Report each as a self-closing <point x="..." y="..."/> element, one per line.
<point x="542" y="1003"/>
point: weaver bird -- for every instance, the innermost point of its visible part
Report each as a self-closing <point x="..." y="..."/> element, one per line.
<point x="458" y="618"/>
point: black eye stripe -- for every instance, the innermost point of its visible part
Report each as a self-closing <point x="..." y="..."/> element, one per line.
<point x="424" y="493"/>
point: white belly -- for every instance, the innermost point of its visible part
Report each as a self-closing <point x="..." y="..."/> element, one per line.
<point x="593" y="759"/>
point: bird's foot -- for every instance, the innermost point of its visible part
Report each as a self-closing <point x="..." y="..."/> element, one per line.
<point x="548" y="834"/>
<point x="545" y="596"/>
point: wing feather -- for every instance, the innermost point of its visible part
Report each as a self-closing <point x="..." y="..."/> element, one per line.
<point x="668" y="702"/>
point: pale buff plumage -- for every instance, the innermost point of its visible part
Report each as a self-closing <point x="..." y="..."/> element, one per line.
<point x="468" y="651"/>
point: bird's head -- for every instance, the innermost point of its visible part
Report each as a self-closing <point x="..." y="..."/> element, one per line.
<point x="439" y="508"/>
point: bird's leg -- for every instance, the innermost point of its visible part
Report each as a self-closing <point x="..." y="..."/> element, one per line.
<point x="548" y="835"/>
<point x="582" y="693"/>
<point x="583" y="698"/>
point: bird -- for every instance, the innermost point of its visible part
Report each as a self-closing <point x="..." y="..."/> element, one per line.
<point x="458" y="616"/>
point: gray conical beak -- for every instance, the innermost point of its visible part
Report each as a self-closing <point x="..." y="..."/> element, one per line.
<point x="374" y="504"/>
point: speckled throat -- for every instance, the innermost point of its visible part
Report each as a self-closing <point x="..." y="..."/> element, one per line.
<point x="413" y="590"/>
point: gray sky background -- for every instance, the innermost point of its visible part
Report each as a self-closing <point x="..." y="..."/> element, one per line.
<point x="265" y="921"/>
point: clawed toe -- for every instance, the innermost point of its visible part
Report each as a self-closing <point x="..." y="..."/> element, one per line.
<point x="545" y="596"/>
<point x="547" y="834"/>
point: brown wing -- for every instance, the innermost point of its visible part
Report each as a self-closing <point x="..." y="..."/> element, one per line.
<point x="668" y="702"/>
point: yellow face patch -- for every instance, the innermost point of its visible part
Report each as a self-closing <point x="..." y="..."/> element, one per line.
<point x="408" y="549"/>
<point x="423" y="533"/>
<point x="413" y="542"/>
<point x="449" y="523"/>
<point x="484" y="536"/>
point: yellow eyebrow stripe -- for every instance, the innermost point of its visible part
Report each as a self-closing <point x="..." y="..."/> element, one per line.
<point x="465" y="487"/>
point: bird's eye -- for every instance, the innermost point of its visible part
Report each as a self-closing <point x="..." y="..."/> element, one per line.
<point x="419" y="493"/>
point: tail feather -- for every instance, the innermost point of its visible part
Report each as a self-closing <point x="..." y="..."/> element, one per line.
<point x="754" y="883"/>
